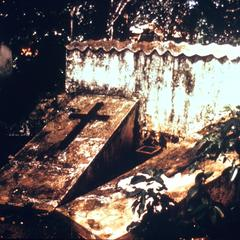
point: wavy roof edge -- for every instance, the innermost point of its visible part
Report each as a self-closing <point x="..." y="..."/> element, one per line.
<point x="176" y="49"/>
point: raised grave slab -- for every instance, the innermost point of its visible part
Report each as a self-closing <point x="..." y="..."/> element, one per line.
<point x="106" y="212"/>
<point x="71" y="153"/>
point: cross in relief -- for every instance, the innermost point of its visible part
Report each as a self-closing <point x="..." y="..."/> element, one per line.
<point x="92" y="115"/>
<point x="85" y="119"/>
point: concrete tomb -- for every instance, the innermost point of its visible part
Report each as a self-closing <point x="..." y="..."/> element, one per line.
<point x="106" y="212"/>
<point x="71" y="154"/>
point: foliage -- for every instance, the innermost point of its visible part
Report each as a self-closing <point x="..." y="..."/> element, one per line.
<point x="148" y="189"/>
<point x="200" y="208"/>
<point x="199" y="216"/>
<point x="226" y="137"/>
<point x="222" y="138"/>
<point x="189" y="20"/>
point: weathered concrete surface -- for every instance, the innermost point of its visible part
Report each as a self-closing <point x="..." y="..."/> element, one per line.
<point x="106" y="212"/>
<point x="42" y="175"/>
<point x="181" y="87"/>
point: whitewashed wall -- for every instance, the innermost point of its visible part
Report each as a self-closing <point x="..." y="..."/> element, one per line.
<point x="181" y="87"/>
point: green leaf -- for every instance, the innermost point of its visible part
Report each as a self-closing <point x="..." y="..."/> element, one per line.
<point x="149" y="180"/>
<point x="134" y="193"/>
<point x="143" y="201"/>
<point x="150" y="192"/>
<point x="138" y="179"/>
<point x="141" y="208"/>
<point x="192" y="192"/>
<point x="199" y="178"/>
<point x="200" y="209"/>
<point x="234" y="174"/>
<point x="205" y="200"/>
<point x="201" y="215"/>
<point x="135" y="204"/>
<point x="225" y="159"/>
<point x="190" y="208"/>
<point x="208" y="174"/>
<point x="213" y="217"/>
<point x="219" y="211"/>
<point x="132" y="226"/>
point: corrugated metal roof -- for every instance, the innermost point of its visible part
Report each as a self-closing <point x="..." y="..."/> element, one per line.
<point x="176" y="49"/>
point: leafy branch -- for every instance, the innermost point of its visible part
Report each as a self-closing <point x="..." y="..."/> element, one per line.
<point x="199" y="215"/>
<point x="222" y="138"/>
<point x="148" y="188"/>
